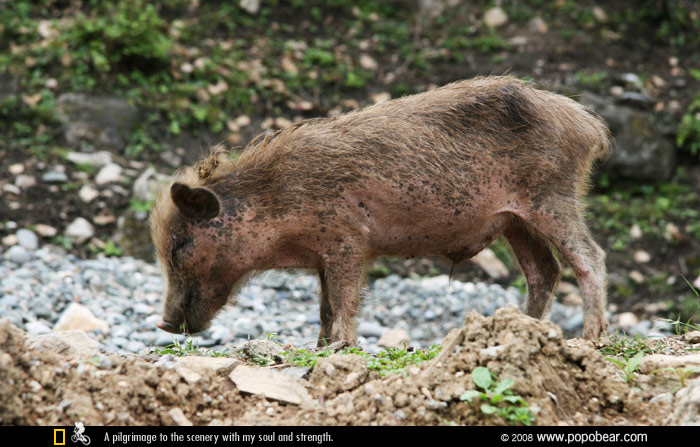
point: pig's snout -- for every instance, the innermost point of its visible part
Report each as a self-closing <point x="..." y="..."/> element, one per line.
<point x="168" y="327"/>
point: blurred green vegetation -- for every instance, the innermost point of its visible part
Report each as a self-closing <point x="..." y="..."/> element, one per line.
<point x="193" y="67"/>
<point x="194" y="70"/>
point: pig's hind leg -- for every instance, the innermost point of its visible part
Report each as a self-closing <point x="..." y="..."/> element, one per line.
<point x="566" y="229"/>
<point x="541" y="268"/>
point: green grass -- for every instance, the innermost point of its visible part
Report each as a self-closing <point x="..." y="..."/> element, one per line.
<point x="625" y="347"/>
<point x="389" y="361"/>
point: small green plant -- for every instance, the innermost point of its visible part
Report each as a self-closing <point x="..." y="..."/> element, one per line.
<point x="688" y="133"/>
<point x="685" y="373"/>
<point x="628" y="366"/>
<point x="498" y="398"/>
<point x="178" y="349"/>
<point x="140" y="206"/>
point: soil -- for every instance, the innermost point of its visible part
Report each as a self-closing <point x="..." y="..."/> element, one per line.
<point x="564" y="382"/>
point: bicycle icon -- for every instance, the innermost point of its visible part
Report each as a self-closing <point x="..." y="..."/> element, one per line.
<point x="78" y="434"/>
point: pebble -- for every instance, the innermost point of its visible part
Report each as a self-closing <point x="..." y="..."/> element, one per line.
<point x="17" y="254"/>
<point x="87" y="193"/>
<point x="126" y="295"/>
<point x="45" y="230"/>
<point x="25" y="181"/>
<point x="495" y="17"/>
<point x="27" y="239"/>
<point x="80" y="229"/>
<point x="641" y="257"/>
<point x="109" y="173"/>
<point x="54" y="177"/>
<point x="96" y="159"/>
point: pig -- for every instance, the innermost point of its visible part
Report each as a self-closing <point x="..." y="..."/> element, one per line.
<point x="441" y="173"/>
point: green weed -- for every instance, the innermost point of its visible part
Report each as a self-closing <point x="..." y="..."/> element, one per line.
<point x="628" y="366"/>
<point x="498" y="398"/>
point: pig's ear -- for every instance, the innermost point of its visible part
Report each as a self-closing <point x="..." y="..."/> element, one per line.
<point x="197" y="203"/>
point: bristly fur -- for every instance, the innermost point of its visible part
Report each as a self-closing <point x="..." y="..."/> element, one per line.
<point x="443" y="172"/>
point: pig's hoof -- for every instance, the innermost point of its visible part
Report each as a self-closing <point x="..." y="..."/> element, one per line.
<point x="595" y="330"/>
<point x="167" y="327"/>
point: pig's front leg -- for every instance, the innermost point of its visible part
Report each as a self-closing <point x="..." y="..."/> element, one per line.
<point x="341" y="284"/>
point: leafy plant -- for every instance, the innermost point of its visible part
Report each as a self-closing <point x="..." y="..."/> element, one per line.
<point x="498" y="398"/>
<point x="628" y="366"/>
<point x="688" y="133"/>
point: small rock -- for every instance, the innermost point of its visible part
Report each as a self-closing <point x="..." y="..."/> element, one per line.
<point x="95" y="159"/>
<point x="221" y="366"/>
<point x="636" y="277"/>
<point x="54" y="177"/>
<point x="9" y="188"/>
<point x="250" y="6"/>
<point x="635" y="232"/>
<point x="672" y="233"/>
<point x="80" y="229"/>
<point x="692" y="337"/>
<point x="376" y="98"/>
<point x="661" y="361"/>
<point x="87" y="193"/>
<point x="339" y="373"/>
<point x="296" y="372"/>
<point x="495" y="17"/>
<point x="627" y="319"/>
<point x="243" y="121"/>
<point x="77" y="316"/>
<point x="38" y="327"/>
<point x="69" y="343"/>
<point x="270" y="384"/>
<point x="663" y="397"/>
<point x="367" y="62"/>
<point x="394" y="338"/>
<point x="641" y="257"/>
<point x="16" y="169"/>
<point x="179" y="417"/>
<point x="687" y="405"/>
<point x="490" y="264"/>
<point x="190" y="376"/>
<point x="147" y="185"/>
<point x="696" y="283"/>
<point x="572" y="299"/>
<point x="10" y="240"/>
<point x="27" y="239"/>
<point x="263" y="348"/>
<point x="25" y="181"/>
<point x="600" y="14"/>
<point x="282" y="122"/>
<point x="45" y="230"/>
<point x="538" y="24"/>
<point x="367" y="329"/>
<point x="17" y="254"/>
<point x="109" y="173"/>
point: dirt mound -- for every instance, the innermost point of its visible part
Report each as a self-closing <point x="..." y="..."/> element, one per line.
<point x="537" y="376"/>
<point x="562" y="382"/>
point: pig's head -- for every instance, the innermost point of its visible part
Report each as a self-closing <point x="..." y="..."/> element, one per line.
<point x="194" y="249"/>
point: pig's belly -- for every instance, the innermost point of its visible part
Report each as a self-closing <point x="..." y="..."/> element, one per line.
<point x="457" y="239"/>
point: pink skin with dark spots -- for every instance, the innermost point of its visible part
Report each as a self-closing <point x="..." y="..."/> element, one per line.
<point x="442" y="173"/>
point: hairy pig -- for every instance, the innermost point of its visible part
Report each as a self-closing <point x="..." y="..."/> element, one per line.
<point x="443" y="172"/>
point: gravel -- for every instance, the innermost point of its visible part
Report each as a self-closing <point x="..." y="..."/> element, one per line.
<point x="37" y="286"/>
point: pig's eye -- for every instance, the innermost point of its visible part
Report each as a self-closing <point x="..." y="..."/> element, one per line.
<point x="178" y="250"/>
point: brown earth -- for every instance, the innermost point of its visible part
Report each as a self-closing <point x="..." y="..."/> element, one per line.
<point x="564" y="382"/>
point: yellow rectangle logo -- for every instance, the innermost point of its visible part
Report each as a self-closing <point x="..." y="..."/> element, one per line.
<point x="62" y="432"/>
